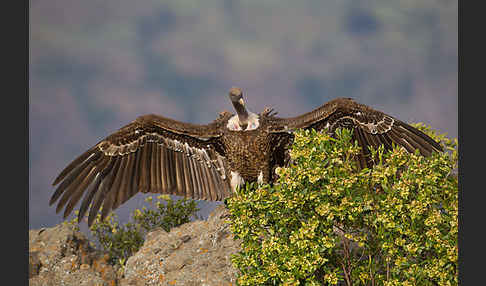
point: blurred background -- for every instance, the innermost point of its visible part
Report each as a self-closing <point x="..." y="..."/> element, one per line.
<point x="96" y="65"/>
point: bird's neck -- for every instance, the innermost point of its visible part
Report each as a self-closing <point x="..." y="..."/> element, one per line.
<point x="242" y="113"/>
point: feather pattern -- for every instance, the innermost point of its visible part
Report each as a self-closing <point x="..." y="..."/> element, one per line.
<point x="147" y="155"/>
<point x="370" y="127"/>
<point x="161" y="155"/>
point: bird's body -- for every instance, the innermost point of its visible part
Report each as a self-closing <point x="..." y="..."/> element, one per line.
<point x="162" y="155"/>
<point x="249" y="152"/>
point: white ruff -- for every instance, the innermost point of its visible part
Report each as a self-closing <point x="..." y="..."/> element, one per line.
<point x="234" y="122"/>
<point x="236" y="181"/>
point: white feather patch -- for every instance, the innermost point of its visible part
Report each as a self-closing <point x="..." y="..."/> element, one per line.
<point x="236" y="181"/>
<point x="233" y="123"/>
<point x="253" y="122"/>
<point x="260" y="178"/>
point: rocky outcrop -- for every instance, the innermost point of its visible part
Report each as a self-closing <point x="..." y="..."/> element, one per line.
<point x="195" y="253"/>
<point x="63" y="256"/>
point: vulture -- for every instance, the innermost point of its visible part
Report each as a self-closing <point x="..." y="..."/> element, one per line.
<point x="209" y="162"/>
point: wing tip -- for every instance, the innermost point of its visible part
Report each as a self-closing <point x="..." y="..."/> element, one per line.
<point x="52" y="200"/>
<point x="56" y="181"/>
<point x="435" y="146"/>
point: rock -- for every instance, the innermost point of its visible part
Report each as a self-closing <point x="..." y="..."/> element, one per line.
<point x="34" y="263"/>
<point x="195" y="253"/>
<point x="62" y="256"/>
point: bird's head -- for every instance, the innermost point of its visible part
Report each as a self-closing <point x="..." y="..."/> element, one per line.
<point x="236" y="96"/>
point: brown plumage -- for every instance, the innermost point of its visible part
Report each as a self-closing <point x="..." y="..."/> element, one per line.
<point x="160" y="155"/>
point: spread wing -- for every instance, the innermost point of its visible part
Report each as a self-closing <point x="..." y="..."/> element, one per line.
<point x="370" y="127"/>
<point x="151" y="154"/>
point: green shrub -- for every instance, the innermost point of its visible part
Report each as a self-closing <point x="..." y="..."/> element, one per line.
<point x="122" y="241"/>
<point x="326" y="221"/>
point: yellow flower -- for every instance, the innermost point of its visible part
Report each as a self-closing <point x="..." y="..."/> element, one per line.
<point x="323" y="209"/>
<point x="331" y="278"/>
<point x="165" y="197"/>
